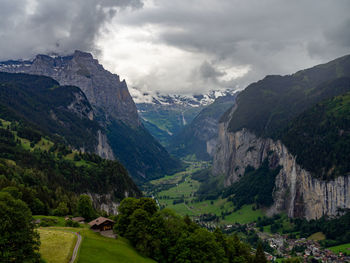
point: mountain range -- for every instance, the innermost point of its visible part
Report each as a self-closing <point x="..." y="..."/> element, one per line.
<point x="165" y="116"/>
<point x="121" y="134"/>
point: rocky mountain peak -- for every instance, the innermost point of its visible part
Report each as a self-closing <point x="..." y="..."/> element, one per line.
<point x="81" y="54"/>
<point x="109" y="96"/>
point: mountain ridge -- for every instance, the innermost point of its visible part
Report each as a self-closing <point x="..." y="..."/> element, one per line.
<point x="111" y="103"/>
<point x="253" y="130"/>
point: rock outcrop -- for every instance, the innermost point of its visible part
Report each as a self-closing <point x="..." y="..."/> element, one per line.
<point x="105" y="203"/>
<point x="296" y="191"/>
<point x="103" y="149"/>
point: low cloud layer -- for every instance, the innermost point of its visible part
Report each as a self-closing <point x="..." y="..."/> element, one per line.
<point x="187" y="46"/>
<point x="29" y="27"/>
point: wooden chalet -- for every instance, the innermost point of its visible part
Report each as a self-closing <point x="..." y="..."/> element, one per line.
<point x="101" y="224"/>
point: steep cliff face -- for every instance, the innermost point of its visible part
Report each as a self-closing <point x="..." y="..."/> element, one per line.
<point x="296" y="191"/>
<point x="308" y="112"/>
<point x="103" y="149"/>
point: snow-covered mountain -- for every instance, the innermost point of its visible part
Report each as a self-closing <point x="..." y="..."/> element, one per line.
<point x="184" y="100"/>
<point x="166" y="115"/>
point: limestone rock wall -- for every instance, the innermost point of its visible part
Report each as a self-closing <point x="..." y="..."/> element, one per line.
<point x="296" y="191"/>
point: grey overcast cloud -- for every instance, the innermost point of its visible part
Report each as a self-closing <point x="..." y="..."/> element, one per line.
<point x="185" y="46"/>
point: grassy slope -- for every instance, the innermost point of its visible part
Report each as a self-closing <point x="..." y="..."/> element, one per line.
<point x="344" y="248"/>
<point x="317" y="236"/>
<point x="44" y="145"/>
<point x="96" y="248"/>
<point x="56" y="246"/>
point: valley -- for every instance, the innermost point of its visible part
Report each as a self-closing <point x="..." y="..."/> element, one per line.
<point x="249" y="176"/>
<point x="179" y="193"/>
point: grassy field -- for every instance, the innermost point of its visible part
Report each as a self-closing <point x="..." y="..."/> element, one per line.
<point x="56" y="245"/>
<point x="243" y="216"/>
<point x="181" y="186"/>
<point x="345" y="248"/>
<point x="96" y="248"/>
<point x="317" y="236"/>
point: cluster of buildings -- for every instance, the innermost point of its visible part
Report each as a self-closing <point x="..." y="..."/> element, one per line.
<point x="304" y="248"/>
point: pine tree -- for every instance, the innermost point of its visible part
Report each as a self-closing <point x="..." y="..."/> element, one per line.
<point x="260" y="255"/>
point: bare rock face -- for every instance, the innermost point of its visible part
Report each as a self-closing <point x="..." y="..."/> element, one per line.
<point x="81" y="107"/>
<point x="108" y="95"/>
<point x="103" y="148"/>
<point x="296" y="191"/>
<point x="104" y="202"/>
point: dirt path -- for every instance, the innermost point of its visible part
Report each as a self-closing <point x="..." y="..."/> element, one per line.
<point x="76" y="248"/>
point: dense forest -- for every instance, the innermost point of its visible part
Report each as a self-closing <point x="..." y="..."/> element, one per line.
<point x="320" y="136"/>
<point x="260" y="183"/>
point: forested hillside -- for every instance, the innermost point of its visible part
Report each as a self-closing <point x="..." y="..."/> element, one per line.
<point x="51" y="108"/>
<point x="48" y="173"/>
<point x="320" y="136"/>
<point x="283" y="108"/>
<point x="267" y="106"/>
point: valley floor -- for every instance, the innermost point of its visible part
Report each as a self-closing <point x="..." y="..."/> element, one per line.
<point x="178" y="192"/>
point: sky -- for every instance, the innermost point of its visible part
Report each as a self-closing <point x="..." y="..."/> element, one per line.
<point x="184" y="46"/>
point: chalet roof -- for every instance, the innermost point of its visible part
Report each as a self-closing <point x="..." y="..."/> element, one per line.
<point x="100" y="220"/>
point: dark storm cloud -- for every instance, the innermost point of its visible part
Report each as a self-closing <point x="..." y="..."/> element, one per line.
<point x="29" y="27"/>
<point x="273" y="36"/>
<point x="221" y="43"/>
<point x="207" y="71"/>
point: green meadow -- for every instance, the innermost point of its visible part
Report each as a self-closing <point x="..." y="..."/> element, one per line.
<point x="57" y="244"/>
<point x="344" y="248"/>
<point x="178" y="192"/>
<point x="97" y="248"/>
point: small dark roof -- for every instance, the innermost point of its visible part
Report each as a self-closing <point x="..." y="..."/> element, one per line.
<point x="100" y="220"/>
